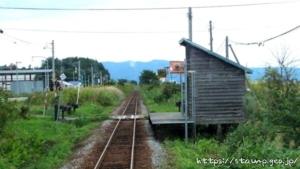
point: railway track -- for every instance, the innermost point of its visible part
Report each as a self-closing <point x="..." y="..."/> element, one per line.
<point x="119" y="151"/>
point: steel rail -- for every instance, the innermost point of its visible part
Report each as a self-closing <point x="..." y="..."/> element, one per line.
<point x="133" y="136"/>
<point x="111" y="136"/>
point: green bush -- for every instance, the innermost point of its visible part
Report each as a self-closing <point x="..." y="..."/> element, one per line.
<point x="186" y="155"/>
<point x="161" y="98"/>
<point x="127" y="88"/>
<point x="69" y="95"/>
<point x="279" y="96"/>
<point x="169" y="89"/>
<point x="38" y="143"/>
<point x="81" y="122"/>
<point x="7" y="109"/>
<point x="106" y="98"/>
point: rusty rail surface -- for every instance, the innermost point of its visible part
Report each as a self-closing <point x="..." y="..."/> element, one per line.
<point x="132" y="100"/>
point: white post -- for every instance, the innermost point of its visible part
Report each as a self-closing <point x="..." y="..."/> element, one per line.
<point x="17" y="77"/>
<point x="78" y="91"/>
<point x="193" y="101"/>
<point x="181" y="94"/>
<point x="186" y="103"/>
<point x="53" y="62"/>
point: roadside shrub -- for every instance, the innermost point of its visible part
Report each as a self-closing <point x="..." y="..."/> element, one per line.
<point x="170" y="89"/>
<point x="7" y="109"/>
<point x="256" y="132"/>
<point x="24" y="110"/>
<point x="70" y="95"/>
<point x="36" y="98"/>
<point x="81" y="122"/>
<point x="106" y="98"/>
<point x="88" y="95"/>
<point x="186" y="155"/>
<point x="127" y="88"/>
<point x="166" y="92"/>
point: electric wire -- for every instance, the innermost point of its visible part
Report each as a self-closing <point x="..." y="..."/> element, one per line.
<point x="94" y="32"/>
<point x="17" y="39"/>
<point x="142" y="9"/>
<point x="261" y="43"/>
<point x="219" y="47"/>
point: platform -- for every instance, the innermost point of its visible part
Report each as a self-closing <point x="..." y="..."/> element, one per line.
<point x="167" y="118"/>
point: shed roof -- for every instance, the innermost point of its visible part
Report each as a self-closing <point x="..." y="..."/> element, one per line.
<point x="186" y="42"/>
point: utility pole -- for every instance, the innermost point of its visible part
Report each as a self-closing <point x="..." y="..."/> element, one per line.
<point x="17" y="78"/>
<point x="92" y="75"/>
<point x="79" y="80"/>
<point x="53" y="62"/>
<point x="190" y="28"/>
<point x="226" y="47"/>
<point x="232" y="51"/>
<point x="101" y="78"/>
<point x="211" y="36"/>
<point x="190" y="24"/>
<point x="79" y="70"/>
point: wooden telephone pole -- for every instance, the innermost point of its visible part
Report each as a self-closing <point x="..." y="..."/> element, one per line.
<point x="211" y="36"/>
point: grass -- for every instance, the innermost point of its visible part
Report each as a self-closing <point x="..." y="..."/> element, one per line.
<point x="39" y="142"/>
<point x="156" y="102"/>
<point x="193" y="155"/>
<point x="165" y="107"/>
<point x="258" y="139"/>
<point x="183" y="155"/>
<point x="93" y="111"/>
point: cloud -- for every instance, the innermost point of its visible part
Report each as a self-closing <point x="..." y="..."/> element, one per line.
<point x="141" y="43"/>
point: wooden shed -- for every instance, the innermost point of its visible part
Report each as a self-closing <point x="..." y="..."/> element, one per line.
<point x="216" y="94"/>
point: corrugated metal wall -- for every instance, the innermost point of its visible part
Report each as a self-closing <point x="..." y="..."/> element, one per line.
<point x="18" y="87"/>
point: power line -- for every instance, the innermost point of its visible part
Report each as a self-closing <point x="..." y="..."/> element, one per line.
<point x="261" y="43"/>
<point x="17" y="39"/>
<point x="221" y="45"/>
<point x="95" y="32"/>
<point x="99" y="32"/>
<point x="141" y="9"/>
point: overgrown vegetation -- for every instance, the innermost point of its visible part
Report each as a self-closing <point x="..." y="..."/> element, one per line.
<point x="161" y="97"/>
<point x="70" y="67"/>
<point x="271" y="133"/>
<point x="5" y="109"/>
<point x="30" y="140"/>
<point x="148" y="77"/>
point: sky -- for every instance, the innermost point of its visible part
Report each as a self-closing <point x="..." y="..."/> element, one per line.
<point x="145" y="35"/>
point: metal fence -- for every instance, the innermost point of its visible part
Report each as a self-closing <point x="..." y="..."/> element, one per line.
<point x="18" y="87"/>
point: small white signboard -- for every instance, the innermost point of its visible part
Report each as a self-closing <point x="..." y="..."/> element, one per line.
<point x="63" y="76"/>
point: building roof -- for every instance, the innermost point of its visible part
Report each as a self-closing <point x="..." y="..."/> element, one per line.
<point x="185" y="42"/>
<point x="21" y="71"/>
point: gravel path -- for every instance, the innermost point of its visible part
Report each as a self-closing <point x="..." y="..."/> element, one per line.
<point x="158" y="153"/>
<point x="85" y="147"/>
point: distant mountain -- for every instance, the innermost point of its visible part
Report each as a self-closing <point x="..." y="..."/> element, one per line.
<point x="258" y="73"/>
<point x="131" y="70"/>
